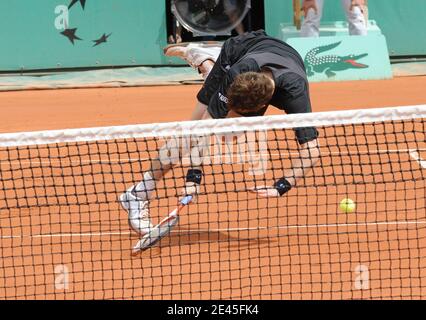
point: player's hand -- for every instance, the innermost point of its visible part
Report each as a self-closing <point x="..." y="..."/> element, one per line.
<point x="309" y="4"/>
<point x="265" y="192"/>
<point x="190" y="189"/>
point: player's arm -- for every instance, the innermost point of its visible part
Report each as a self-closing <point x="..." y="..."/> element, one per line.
<point x="308" y="153"/>
<point x="307" y="158"/>
<point x="217" y="108"/>
<point x="194" y="174"/>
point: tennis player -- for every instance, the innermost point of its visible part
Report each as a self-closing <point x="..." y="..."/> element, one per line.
<point x="242" y="78"/>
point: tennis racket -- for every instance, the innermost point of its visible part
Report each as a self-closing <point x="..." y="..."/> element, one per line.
<point x="162" y="229"/>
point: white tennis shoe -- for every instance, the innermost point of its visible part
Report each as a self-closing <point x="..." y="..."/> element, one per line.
<point x="194" y="53"/>
<point x="138" y="212"/>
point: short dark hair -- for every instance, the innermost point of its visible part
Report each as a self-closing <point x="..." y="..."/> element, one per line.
<point x="250" y="91"/>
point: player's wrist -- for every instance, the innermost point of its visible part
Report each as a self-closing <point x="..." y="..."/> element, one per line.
<point x="194" y="175"/>
<point x="282" y="186"/>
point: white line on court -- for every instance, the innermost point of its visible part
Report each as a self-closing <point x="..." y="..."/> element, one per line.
<point x="413" y="153"/>
<point x="189" y="231"/>
<point x="100" y="161"/>
<point x="416" y="156"/>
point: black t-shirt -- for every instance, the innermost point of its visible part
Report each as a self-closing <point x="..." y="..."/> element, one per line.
<point x="291" y="92"/>
<point x="255" y="51"/>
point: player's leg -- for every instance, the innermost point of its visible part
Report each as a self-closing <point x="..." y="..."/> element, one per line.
<point x="355" y="13"/>
<point x="212" y="83"/>
<point x="200" y="112"/>
<point x="162" y="164"/>
<point x="313" y="13"/>
<point x="136" y="199"/>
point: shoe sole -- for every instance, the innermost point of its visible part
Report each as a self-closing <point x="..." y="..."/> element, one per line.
<point x="204" y="44"/>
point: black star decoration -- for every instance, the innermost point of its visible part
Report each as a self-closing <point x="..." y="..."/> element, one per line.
<point x="73" y="2"/>
<point x="102" y="39"/>
<point x="70" y="34"/>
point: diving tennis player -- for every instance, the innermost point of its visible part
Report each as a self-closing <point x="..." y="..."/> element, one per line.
<point x="242" y="78"/>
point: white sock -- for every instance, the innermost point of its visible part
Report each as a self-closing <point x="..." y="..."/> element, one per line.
<point x="145" y="188"/>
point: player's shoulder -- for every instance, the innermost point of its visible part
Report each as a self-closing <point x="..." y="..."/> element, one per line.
<point x="292" y="84"/>
<point x="291" y="79"/>
<point x="245" y="64"/>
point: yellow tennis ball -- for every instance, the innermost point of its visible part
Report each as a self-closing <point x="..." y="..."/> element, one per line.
<point x="347" y="205"/>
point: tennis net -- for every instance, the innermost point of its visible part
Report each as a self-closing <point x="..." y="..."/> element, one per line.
<point x="64" y="235"/>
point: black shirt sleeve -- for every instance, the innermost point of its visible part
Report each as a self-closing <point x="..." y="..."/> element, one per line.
<point x="292" y="96"/>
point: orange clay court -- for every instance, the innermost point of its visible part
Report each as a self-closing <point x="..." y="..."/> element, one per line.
<point x="227" y="256"/>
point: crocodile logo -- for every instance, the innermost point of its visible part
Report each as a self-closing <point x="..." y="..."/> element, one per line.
<point x="330" y="64"/>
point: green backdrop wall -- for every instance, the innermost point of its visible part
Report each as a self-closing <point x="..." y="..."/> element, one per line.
<point x="402" y="22"/>
<point x="31" y="40"/>
<point x="133" y="32"/>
